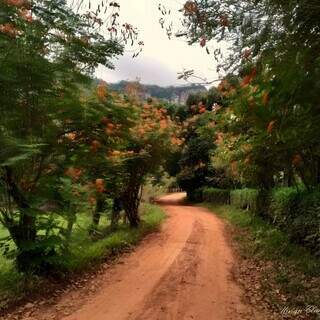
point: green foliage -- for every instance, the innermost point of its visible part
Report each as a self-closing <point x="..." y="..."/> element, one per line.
<point x="194" y="169"/>
<point x="306" y="223"/>
<point x="284" y="203"/>
<point x="84" y="253"/>
<point x="194" y="164"/>
<point x="271" y="124"/>
<point x="297" y="212"/>
<point x="197" y="195"/>
<point x="217" y="196"/>
<point x="244" y="199"/>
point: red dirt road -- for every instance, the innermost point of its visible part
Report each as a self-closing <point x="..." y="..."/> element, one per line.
<point x="182" y="272"/>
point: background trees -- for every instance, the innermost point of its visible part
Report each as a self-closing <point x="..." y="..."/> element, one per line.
<point x="273" y="49"/>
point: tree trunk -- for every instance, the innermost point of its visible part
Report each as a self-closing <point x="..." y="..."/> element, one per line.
<point x="71" y="221"/>
<point x="97" y="215"/>
<point x="288" y="177"/>
<point x="115" y="216"/>
<point x="23" y="233"/>
<point x="266" y="183"/>
<point x="132" y="197"/>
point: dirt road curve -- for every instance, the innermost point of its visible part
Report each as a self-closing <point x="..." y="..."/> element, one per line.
<point x="182" y="272"/>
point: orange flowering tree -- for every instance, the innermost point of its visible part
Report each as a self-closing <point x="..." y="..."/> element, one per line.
<point x="47" y="54"/>
<point x="150" y="141"/>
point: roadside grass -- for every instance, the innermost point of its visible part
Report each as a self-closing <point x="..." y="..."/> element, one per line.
<point x="82" y="255"/>
<point x="290" y="274"/>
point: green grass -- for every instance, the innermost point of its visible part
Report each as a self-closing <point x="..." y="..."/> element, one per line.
<point x="295" y="271"/>
<point x="83" y="254"/>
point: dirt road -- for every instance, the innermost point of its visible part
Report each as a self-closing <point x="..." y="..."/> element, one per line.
<point x="182" y="272"/>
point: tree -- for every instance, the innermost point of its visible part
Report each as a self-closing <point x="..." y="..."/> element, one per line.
<point x="192" y="166"/>
<point x="46" y="55"/>
<point x="149" y="144"/>
<point x="273" y="52"/>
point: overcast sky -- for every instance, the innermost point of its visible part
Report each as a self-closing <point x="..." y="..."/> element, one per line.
<point x="161" y="58"/>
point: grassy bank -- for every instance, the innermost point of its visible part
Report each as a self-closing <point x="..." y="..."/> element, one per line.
<point x="83" y="253"/>
<point x="272" y="269"/>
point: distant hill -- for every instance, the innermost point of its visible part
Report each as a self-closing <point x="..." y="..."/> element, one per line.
<point x="174" y="94"/>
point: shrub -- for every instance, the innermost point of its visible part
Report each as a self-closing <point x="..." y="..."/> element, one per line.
<point x="244" y="199"/>
<point x="298" y="213"/>
<point x="217" y="196"/>
<point x="283" y="207"/>
<point x="197" y="195"/>
<point x="306" y="223"/>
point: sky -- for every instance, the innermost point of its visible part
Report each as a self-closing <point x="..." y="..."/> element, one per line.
<point x="161" y="58"/>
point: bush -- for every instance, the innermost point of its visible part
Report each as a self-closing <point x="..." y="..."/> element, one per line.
<point x="284" y="202"/>
<point x="244" y="199"/>
<point x="217" y="196"/>
<point x="306" y="223"/>
<point x="298" y="213"/>
<point x="197" y="195"/>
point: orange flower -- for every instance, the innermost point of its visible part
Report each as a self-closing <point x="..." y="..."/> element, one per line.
<point x="248" y="78"/>
<point x="176" y="141"/>
<point x="190" y="7"/>
<point x="100" y="185"/>
<point x="163" y="124"/>
<point x="202" y="110"/>
<point x="110" y="126"/>
<point x="271" y="126"/>
<point x="71" y="136"/>
<point x="141" y="131"/>
<point x="108" y="131"/>
<point x="16" y="3"/>
<point x="95" y="145"/>
<point x="74" y="173"/>
<point x="9" y="29"/>
<point x="26" y="15"/>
